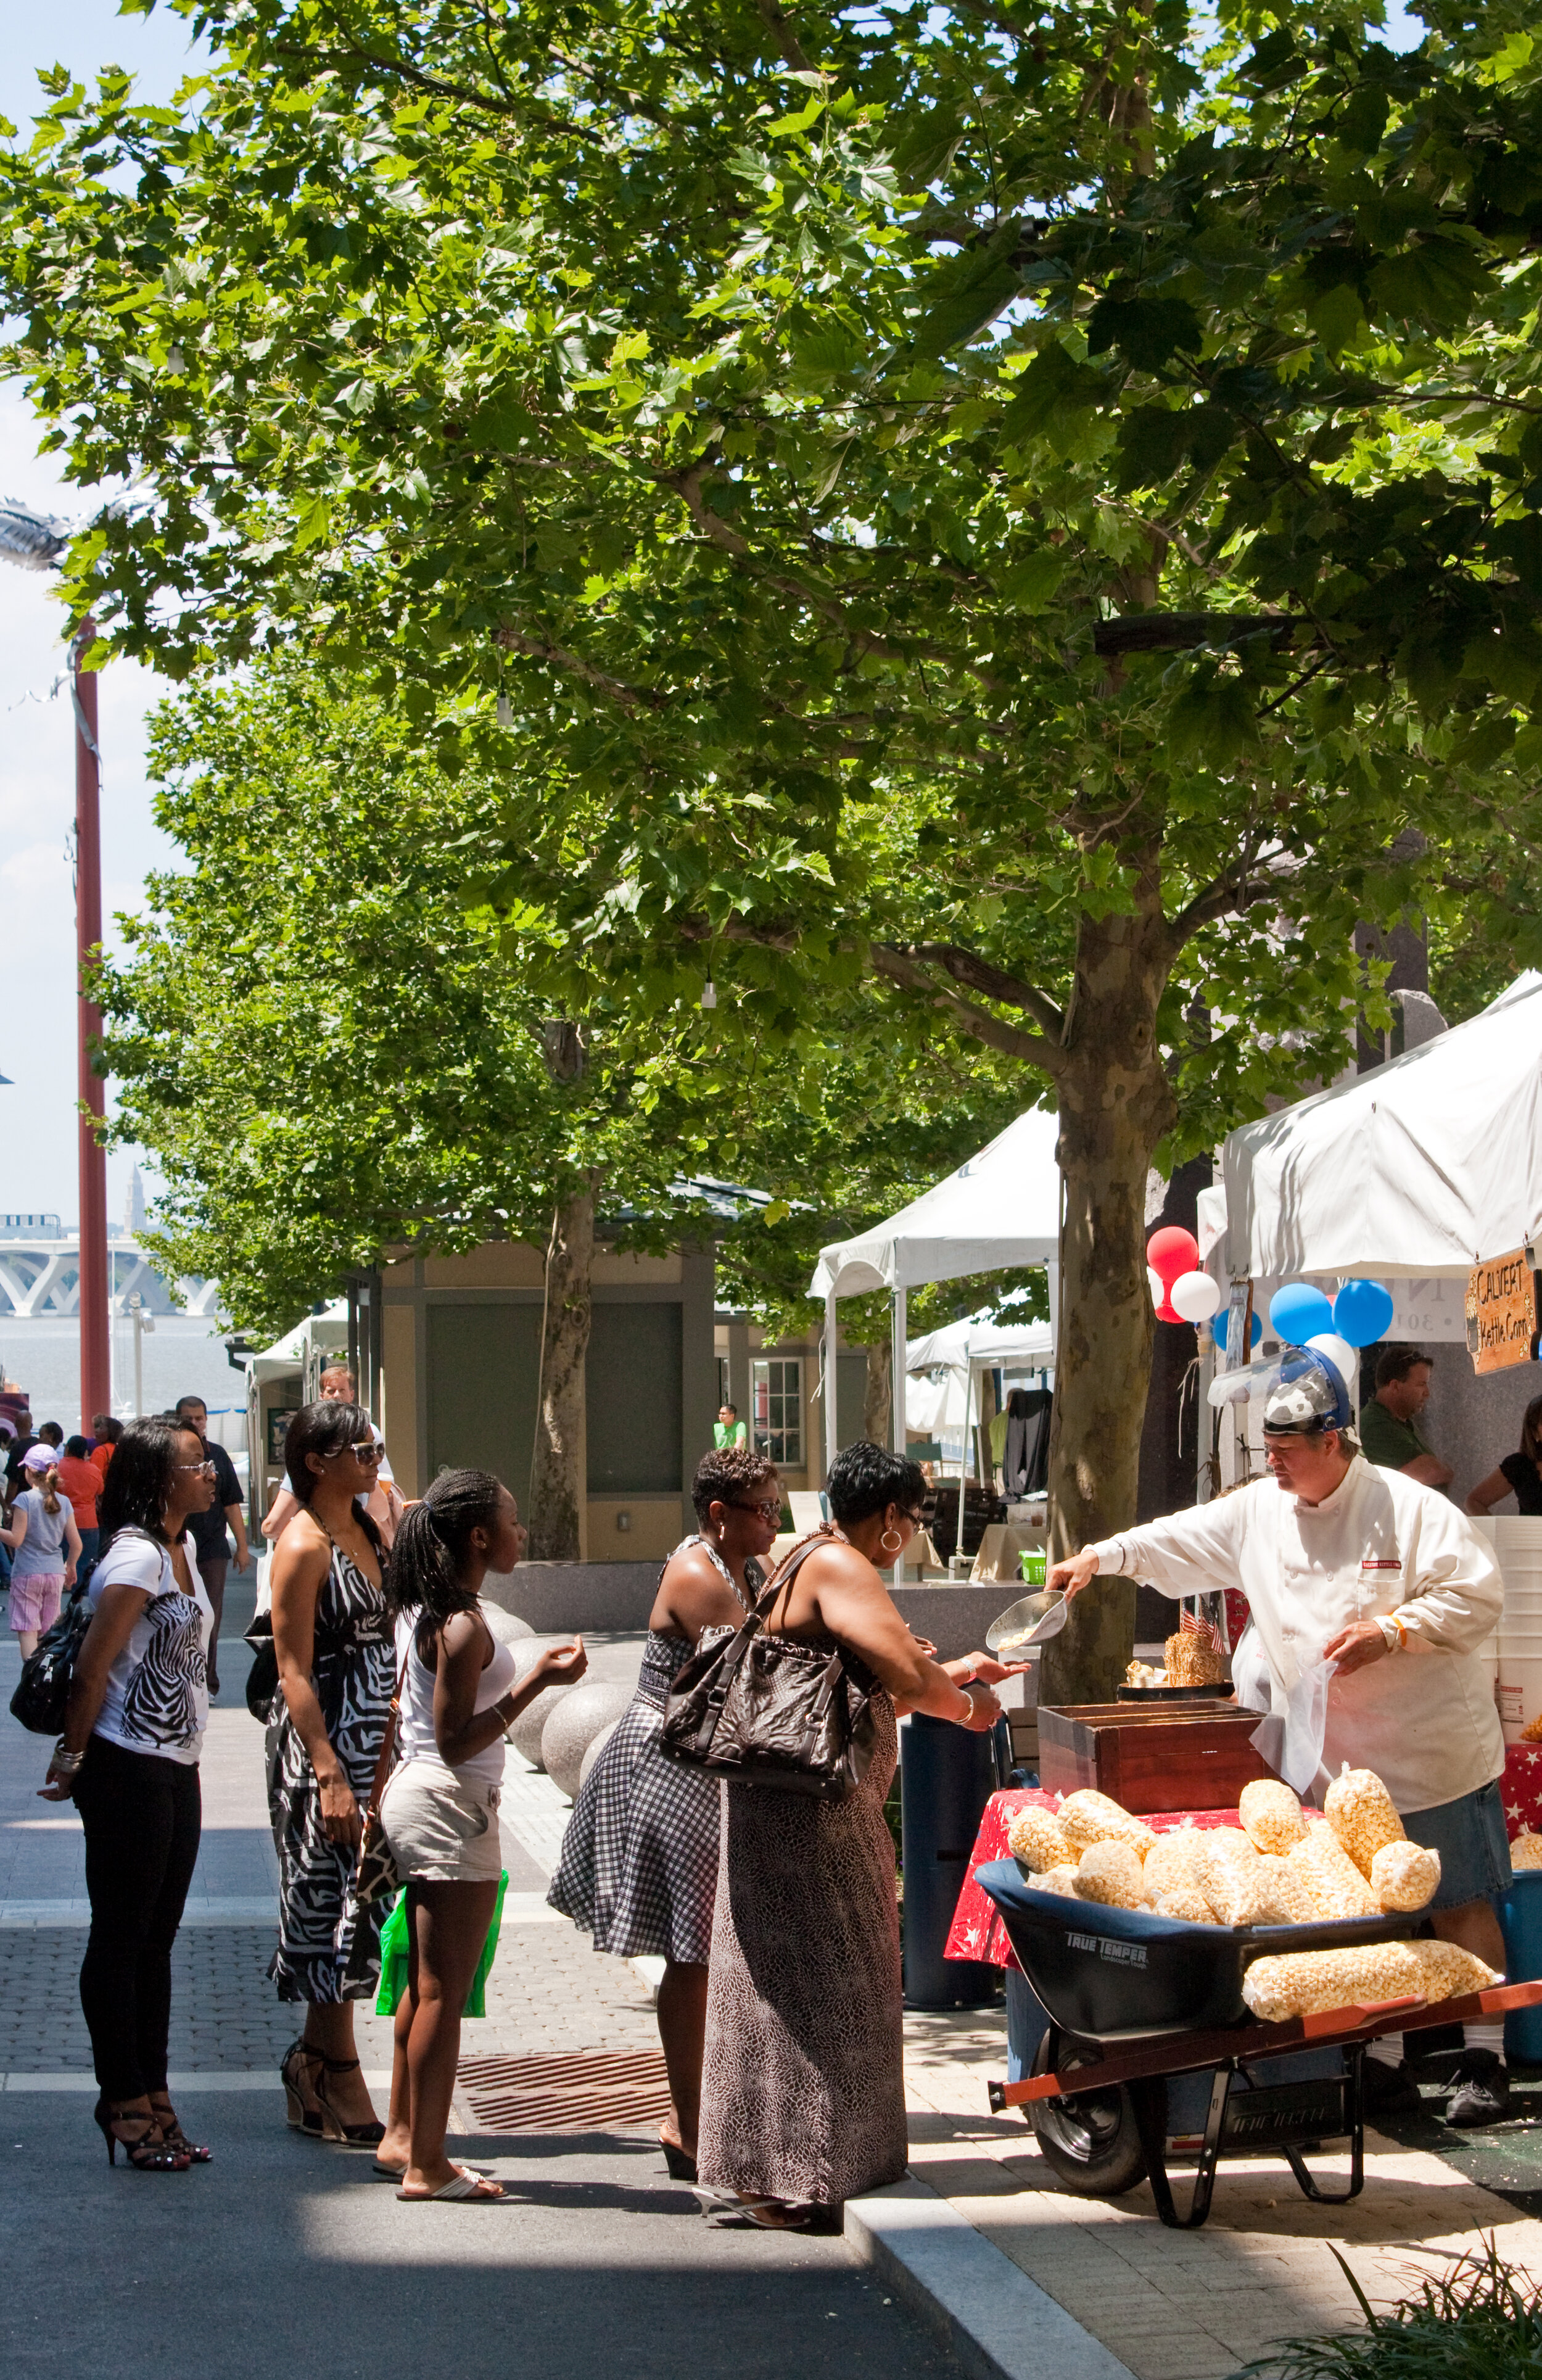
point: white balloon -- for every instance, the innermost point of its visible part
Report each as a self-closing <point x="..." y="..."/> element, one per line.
<point x="1159" y="1293"/>
<point x="1196" y="1296"/>
<point x="1344" y="1359"/>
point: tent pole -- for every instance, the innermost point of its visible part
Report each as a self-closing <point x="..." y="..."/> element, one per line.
<point x="831" y="1439"/>
<point x="896" y="1392"/>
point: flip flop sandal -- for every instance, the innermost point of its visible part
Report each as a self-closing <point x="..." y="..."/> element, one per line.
<point x="465" y="2185"/>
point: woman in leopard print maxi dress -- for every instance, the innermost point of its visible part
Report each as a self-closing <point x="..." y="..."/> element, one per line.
<point x="803" y="2089"/>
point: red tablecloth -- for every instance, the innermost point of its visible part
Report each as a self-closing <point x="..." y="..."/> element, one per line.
<point x="978" y="1932"/>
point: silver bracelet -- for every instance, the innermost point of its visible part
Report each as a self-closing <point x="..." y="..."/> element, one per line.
<point x="67" y="1763"/>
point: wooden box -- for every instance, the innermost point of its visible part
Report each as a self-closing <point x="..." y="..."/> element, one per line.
<point x="1182" y="1756"/>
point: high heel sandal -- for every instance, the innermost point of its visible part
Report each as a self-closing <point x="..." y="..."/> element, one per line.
<point x="351" y="2136"/>
<point x="150" y="2153"/>
<point x="681" y="2167"/>
<point x="174" y="2135"/>
<point x="301" y="2119"/>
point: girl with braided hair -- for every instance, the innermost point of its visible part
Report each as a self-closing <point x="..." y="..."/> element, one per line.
<point x="440" y="1810"/>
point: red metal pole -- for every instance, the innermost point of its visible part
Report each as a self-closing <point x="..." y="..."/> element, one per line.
<point x="95" y="1292"/>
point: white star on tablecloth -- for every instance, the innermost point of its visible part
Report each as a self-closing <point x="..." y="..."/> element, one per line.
<point x="1512" y="1809"/>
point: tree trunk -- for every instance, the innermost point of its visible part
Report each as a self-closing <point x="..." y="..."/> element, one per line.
<point x="877" y="1393"/>
<point x="557" y="1470"/>
<point x="1115" y="1104"/>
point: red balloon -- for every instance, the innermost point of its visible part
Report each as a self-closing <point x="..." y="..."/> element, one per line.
<point x="1171" y="1253"/>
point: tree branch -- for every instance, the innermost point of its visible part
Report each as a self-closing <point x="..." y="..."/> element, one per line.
<point x="967" y="967"/>
<point x="899" y="968"/>
<point x="1177" y="632"/>
<point x="510" y="640"/>
<point x="779" y="25"/>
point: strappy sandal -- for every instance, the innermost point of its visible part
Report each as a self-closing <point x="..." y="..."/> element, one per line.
<point x="301" y="2118"/>
<point x="172" y="2134"/>
<point x="332" y="2128"/>
<point x="147" y="2152"/>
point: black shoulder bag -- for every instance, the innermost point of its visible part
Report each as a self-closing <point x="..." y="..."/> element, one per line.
<point x="766" y="1710"/>
<point x="42" y="1689"/>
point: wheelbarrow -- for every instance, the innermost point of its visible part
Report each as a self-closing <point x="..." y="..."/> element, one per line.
<point x="1136" y="1999"/>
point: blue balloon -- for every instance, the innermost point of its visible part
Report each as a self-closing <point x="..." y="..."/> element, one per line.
<point x="1362" y="1312"/>
<point x="1218" y="1329"/>
<point x="1299" y="1311"/>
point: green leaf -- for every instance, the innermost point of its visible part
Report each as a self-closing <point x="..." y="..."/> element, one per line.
<point x="964" y="297"/>
<point x="1148" y="330"/>
<point x="1211" y="721"/>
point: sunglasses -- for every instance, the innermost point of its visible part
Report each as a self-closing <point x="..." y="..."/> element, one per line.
<point x="363" y="1450"/>
<point x="769" y="1508"/>
<point x="205" y="1469"/>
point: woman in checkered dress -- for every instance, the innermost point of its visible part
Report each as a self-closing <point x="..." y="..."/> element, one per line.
<point x="639" y="1859"/>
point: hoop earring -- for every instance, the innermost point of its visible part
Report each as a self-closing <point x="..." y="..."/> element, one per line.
<point x="889" y="1549"/>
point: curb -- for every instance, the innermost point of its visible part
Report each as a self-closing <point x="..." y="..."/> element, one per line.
<point x="998" y="2324"/>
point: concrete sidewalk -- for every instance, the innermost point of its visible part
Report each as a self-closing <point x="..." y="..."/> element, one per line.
<point x="284" y="2257"/>
<point x="1195" y="2305"/>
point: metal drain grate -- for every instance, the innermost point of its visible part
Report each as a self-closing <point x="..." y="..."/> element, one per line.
<point x="593" y="2091"/>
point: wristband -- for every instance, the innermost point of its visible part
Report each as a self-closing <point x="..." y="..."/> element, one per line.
<point x="1388" y="1621"/>
<point x="67" y="1763"/>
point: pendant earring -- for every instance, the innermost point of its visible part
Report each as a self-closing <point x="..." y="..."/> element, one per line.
<point x="889" y="1549"/>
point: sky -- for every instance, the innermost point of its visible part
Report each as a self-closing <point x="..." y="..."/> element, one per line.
<point x="37" y="759"/>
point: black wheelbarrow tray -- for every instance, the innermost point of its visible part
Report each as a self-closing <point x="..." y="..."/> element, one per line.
<point x="1134" y="1999"/>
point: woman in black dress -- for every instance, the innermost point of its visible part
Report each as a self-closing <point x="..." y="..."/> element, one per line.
<point x="336" y="1670"/>
<point x="1519" y="1474"/>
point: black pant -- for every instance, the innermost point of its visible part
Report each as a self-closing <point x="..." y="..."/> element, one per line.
<point x="143" y="1816"/>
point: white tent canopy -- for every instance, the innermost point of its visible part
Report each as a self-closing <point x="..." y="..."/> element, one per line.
<point x="325" y="1330"/>
<point x="1423" y="1167"/>
<point x="941" y="1392"/>
<point x="1000" y="1209"/>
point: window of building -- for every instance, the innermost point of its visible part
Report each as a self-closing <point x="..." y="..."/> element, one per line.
<point x="722" y="1381"/>
<point x="777" y="1386"/>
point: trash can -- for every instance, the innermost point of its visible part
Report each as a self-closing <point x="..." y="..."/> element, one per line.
<point x="1520" y="1918"/>
<point x="947" y="1775"/>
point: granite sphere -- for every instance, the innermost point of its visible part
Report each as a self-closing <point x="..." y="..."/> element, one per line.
<point x="575" y="1723"/>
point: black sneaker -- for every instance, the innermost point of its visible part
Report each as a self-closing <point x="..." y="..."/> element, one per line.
<point x="1482" y="2093"/>
<point x="1390" y="2090"/>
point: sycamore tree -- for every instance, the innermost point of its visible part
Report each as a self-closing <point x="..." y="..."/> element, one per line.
<point x="987" y="526"/>
<point x="331" y="1054"/>
<point x="329" y="1058"/>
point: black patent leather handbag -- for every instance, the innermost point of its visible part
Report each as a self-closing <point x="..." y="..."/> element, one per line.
<point x="767" y="1711"/>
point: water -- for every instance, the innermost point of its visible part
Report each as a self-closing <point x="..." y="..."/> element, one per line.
<point x="183" y="1357"/>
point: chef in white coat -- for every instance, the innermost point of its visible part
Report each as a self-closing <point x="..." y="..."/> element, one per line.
<point x="1368" y="1571"/>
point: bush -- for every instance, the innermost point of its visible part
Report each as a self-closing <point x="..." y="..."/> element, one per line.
<point x="1481" y="2320"/>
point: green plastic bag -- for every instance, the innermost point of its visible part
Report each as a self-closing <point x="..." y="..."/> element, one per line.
<point x="392" y="1958"/>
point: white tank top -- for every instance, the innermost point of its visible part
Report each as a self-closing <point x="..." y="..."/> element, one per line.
<point x="415" y="1727"/>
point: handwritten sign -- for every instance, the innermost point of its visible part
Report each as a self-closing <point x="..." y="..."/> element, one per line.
<point x="1501" y="1313"/>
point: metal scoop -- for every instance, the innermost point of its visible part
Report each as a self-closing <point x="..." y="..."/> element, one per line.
<point x="1025" y="1624"/>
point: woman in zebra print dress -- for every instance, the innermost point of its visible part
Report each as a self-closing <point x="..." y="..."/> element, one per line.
<point x="638" y="1868"/>
<point x="336" y="1668"/>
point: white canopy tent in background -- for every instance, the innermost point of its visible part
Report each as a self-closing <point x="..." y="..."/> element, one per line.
<point x="1423" y="1167"/>
<point x="941" y="1369"/>
<point x="1000" y="1209"/>
<point x="321" y="1333"/>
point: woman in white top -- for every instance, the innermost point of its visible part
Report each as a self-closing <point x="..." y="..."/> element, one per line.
<point x="440" y="1810"/>
<point x="134" y="1725"/>
<point x="46" y="1545"/>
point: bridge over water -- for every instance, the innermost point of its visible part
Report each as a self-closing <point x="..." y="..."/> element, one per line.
<point x="40" y="1271"/>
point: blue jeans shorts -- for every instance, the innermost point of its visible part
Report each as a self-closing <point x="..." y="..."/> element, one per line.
<point x="1469" y="1834"/>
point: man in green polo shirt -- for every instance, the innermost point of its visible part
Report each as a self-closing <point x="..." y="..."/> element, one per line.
<point x="1389" y="1423"/>
<point x="728" y="1430"/>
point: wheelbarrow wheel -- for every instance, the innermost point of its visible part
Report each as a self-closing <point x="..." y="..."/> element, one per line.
<point x="1090" y="2142"/>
